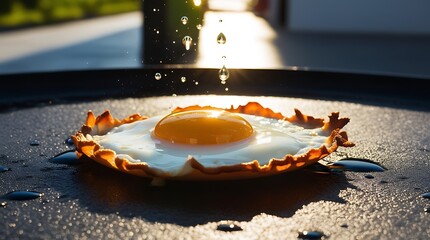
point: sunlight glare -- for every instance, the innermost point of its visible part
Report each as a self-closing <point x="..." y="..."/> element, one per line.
<point x="250" y="42"/>
<point x="229" y="5"/>
<point x="197" y="2"/>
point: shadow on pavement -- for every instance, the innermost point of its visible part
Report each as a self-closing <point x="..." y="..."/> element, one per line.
<point x="106" y="191"/>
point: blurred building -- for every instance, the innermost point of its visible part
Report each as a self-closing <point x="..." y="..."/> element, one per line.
<point x="351" y="16"/>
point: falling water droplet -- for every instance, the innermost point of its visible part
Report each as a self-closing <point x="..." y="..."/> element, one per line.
<point x="199" y="26"/>
<point x="22" y="195"/>
<point x="67" y="157"/>
<point x="228" y="227"/>
<point x="221" y="39"/>
<point x="223" y="73"/>
<point x="356" y="165"/>
<point x="3" y="204"/>
<point x="34" y="143"/>
<point x="4" y="169"/>
<point x="187" y="40"/>
<point x="184" y="20"/>
<point x="157" y="76"/>
<point x="223" y="82"/>
<point x="183" y="79"/>
<point x="311" y="235"/>
<point x="226" y="89"/>
<point x="427" y="210"/>
<point x="197" y="83"/>
<point x="426" y="195"/>
<point x="69" y="141"/>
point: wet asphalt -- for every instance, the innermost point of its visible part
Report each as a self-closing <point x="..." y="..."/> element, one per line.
<point x="88" y="200"/>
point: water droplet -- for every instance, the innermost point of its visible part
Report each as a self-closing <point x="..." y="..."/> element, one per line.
<point x="157" y="76"/>
<point x="426" y="195"/>
<point x="183" y="79"/>
<point x="427" y="210"/>
<point x="199" y="26"/>
<point x="221" y="39"/>
<point x="228" y="227"/>
<point x="369" y="176"/>
<point x="67" y="157"/>
<point x="174" y="95"/>
<point x="223" y="82"/>
<point x="226" y="89"/>
<point x="22" y="195"/>
<point x="184" y="20"/>
<point x="69" y="141"/>
<point x="220" y="21"/>
<point x="187" y="40"/>
<point x="197" y="83"/>
<point x="356" y="165"/>
<point x="223" y="73"/>
<point x="311" y="235"/>
<point x="34" y="143"/>
<point x="4" y="169"/>
<point x="3" y="204"/>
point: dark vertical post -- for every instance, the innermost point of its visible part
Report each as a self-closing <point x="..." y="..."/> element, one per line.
<point x="283" y="14"/>
<point x="163" y="31"/>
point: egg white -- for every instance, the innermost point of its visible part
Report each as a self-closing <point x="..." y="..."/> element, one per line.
<point x="272" y="139"/>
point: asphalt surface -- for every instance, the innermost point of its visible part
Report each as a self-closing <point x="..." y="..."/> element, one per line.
<point x="88" y="201"/>
<point x="118" y="50"/>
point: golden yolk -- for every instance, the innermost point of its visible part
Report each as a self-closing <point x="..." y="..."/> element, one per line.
<point x="203" y="127"/>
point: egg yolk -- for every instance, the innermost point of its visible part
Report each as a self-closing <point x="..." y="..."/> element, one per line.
<point x="203" y="127"/>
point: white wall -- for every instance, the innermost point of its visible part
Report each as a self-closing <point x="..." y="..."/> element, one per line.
<point x="360" y="16"/>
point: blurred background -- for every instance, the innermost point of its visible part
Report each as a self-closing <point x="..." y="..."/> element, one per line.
<point x="17" y="13"/>
<point x="383" y="37"/>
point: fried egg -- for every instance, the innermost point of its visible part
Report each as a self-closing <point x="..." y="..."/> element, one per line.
<point x="210" y="143"/>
